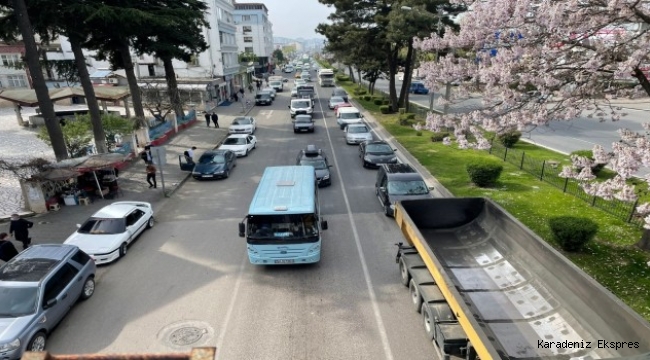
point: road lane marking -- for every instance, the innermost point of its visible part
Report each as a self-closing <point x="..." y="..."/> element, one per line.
<point x="366" y="273"/>
<point x="231" y="307"/>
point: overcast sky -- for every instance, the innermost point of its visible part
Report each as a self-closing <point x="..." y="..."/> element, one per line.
<point x="295" y="18"/>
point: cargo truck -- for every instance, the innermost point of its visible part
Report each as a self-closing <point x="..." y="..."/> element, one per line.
<point x="488" y="288"/>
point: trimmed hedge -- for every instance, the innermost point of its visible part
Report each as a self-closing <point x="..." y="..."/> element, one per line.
<point x="366" y="97"/>
<point x="439" y="136"/>
<point x="509" y="139"/>
<point x="379" y="102"/>
<point x="342" y="77"/>
<point x="384" y="109"/>
<point x="360" y="91"/>
<point x="484" y="172"/>
<point x="573" y="233"/>
<point x="595" y="168"/>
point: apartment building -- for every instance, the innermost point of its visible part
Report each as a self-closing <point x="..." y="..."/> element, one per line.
<point x="11" y="76"/>
<point x="254" y="31"/>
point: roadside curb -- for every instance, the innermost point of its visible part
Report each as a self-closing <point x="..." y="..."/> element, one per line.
<point x="438" y="188"/>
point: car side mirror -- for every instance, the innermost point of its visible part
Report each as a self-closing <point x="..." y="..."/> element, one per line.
<point x="323" y="224"/>
<point x="78" y="226"/>
<point x="361" y="116"/>
<point x="289" y="106"/>
<point x="242" y="229"/>
<point x="394" y="149"/>
<point x="431" y="188"/>
<point x="50" y="303"/>
<point x="382" y="189"/>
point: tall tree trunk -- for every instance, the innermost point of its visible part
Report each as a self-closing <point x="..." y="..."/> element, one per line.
<point x="392" y="70"/>
<point x="352" y="74"/>
<point x="359" y="76"/>
<point x="644" y="243"/>
<point x="38" y="81"/>
<point x="136" y="94"/>
<point x="89" y="92"/>
<point x="408" y="74"/>
<point x="172" y="87"/>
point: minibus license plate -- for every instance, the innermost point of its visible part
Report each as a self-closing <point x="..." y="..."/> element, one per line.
<point x="285" y="261"/>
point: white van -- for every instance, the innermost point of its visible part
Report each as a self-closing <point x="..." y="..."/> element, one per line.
<point x="300" y="107"/>
<point x="348" y="115"/>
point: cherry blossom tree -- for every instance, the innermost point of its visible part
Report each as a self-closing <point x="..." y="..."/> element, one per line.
<point x="543" y="61"/>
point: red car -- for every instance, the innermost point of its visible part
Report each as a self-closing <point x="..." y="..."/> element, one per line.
<point x="336" y="108"/>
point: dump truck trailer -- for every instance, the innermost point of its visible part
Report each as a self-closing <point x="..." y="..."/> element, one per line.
<point x="489" y="288"/>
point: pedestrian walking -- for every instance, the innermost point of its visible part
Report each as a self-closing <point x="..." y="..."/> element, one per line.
<point x="151" y="176"/>
<point x="207" y="118"/>
<point x="146" y="155"/>
<point x="190" y="152"/>
<point x="7" y="249"/>
<point x="241" y="91"/>
<point x="19" y="228"/>
<point x="250" y="87"/>
<point x="234" y="96"/>
<point x="259" y="84"/>
<point x="215" y="119"/>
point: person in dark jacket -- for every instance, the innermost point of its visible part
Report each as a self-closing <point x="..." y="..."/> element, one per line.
<point x="19" y="228"/>
<point x="7" y="249"/>
<point x="215" y="119"/>
<point x="207" y="118"/>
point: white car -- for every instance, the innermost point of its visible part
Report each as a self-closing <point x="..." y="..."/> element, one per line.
<point x="240" y="144"/>
<point x="357" y="133"/>
<point x="299" y="82"/>
<point x="294" y="92"/>
<point x="106" y="235"/>
<point x="242" y="125"/>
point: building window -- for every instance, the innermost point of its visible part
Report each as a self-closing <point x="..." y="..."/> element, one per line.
<point x="17" y="81"/>
<point x="246" y="18"/>
<point x="11" y="60"/>
<point x="194" y="60"/>
<point x="247" y="29"/>
<point x="248" y="39"/>
<point x="221" y="37"/>
<point x="248" y="50"/>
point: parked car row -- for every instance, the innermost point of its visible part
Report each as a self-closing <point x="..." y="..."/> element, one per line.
<point x="218" y="163"/>
<point x="39" y="286"/>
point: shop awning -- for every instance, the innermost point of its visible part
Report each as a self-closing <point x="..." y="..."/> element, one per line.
<point x="91" y="162"/>
<point x="27" y="97"/>
<point x="56" y="175"/>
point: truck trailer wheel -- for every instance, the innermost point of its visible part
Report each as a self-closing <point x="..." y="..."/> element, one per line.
<point x="428" y="322"/>
<point x="404" y="272"/>
<point x="415" y="295"/>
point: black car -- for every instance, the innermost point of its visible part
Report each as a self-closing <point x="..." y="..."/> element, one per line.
<point x="303" y="123"/>
<point x="263" y="98"/>
<point x="214" y="164"/>
<point x="315" y="157"/>
<point x="376" y="152"/>
<point x="340" y="92"/>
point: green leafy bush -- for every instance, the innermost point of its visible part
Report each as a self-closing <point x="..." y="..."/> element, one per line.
<point x="378" y="102"/>
<point x="342" y="77"/>
<point x="386" y="102"/>
<point x="360" y="91"/>
<point x="573" y="233"/>
<point x="509" y="139"/>
<point x="384" y="109"/>
<point x="402" y="111"/>
<point x="595" y="168"/>
<point x="409" y="116"/>
<point x="366" y="97"/>
<point x="439" y="136"/>
<point x="484" y="172"/>
<point x="418" y="133"/>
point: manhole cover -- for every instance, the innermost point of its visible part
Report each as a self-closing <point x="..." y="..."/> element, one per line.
<point x="186" y="333"/>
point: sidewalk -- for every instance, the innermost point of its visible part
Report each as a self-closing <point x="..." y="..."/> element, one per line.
<point x="56" y="226"/>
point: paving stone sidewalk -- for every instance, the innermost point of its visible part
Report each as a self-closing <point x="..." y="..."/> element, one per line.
<point x="56" y="226"/>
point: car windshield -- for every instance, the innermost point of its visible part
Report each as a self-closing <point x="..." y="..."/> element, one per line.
<point x="212" y="159"/>
<point x="379" y="149"/>
<point x="97" y="226"/>
<point x="301" y="104"/>
<point x="262" y="96"/>
<point x="410" y="187"/>
<point x="339" y="93"/>
<point x="357" y="130"/>
<point x="276" y="83"/>
<point x="318" y="164"/>
<point x="282" y="229"/>
<point x="350" y="115"/>
<point x="235" y="141"/>
<point x="303" y="119"/>
<point x="337" y="100"/>
<point x="242" y="121"/>
<point x="18" y="301"/>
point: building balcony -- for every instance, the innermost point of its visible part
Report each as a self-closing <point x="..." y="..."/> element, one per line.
<point x="231" y="69"/>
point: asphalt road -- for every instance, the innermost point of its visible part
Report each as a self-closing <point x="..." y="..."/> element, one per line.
<point x="191" y="271"/>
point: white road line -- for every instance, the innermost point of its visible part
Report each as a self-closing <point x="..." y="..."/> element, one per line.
<point x="231" y="307"/>
<point x="366" y="273"/>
